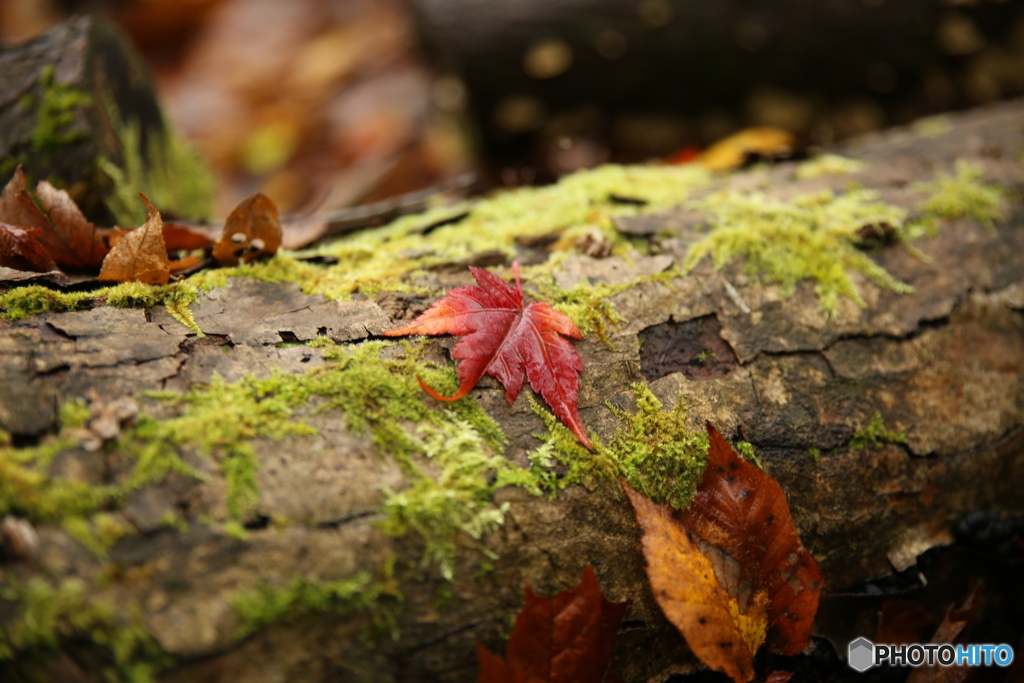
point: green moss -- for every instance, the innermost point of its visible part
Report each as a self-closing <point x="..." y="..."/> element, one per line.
<point x="963" y="196"/>
<point x="875" y="434"/>
<point x="168" y="171"/>
<point x="74" y="413"/>
<point x="22" y="302"/>
<point x="815" y="454"/>
<point x="828" y="164"/>
<point x="59" y="109"/>
<point x="27" y="489"/>
<point x="98" y="533"/>
<point x="267" y="604"/>
<point x="653" y="451"/>
<point x="746" y="449"/>
<point x="456" y="499"/>
<point x="43" y="616"/>
<point x="589" y="305"/>
<point x="811" y="237"/>
<point x="383" y="259"/>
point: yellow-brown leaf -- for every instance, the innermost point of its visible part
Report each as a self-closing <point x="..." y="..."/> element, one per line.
<point x="140" y="255"/>
<point x="685" y="586"/>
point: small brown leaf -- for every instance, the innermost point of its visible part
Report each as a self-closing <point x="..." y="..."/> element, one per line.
<point x="71" y="239"/>
<point x="17" y="208"/>
<point x="21" y="250"/>
<point x="140" y="256"/>
<point x="251" y="230"/>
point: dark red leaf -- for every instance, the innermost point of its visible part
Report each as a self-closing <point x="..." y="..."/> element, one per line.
<point x="564" y="638"/>
<point x="508" y="340"/>
<point x="742" y="511"/>
<point x="21" y="250"/>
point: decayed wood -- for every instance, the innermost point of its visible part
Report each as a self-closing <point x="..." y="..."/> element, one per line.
<point x="941" y="364"/>
<point x="63" y="99"/>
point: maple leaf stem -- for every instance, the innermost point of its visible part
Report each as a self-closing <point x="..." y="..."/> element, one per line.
<point x="463" y="390"/>
<point x="515" y="269"/>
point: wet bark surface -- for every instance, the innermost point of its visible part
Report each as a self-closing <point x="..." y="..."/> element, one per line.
<point x="943" y="365"/>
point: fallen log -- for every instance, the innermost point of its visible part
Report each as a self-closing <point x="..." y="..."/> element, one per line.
<point x="276" y="525"/>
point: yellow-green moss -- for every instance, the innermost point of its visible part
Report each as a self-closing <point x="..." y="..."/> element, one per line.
<point x="27" y="489"/>
<point x="168" y="171"/>
<point x="746" y="449"/>
<point x="48" y="615"/>
<point x="653" y="451"/>
<point x="383" y="259"/>
<point x="60" y="107"/>
<point x="811" y="237"/>
<point x="828" y="164"/>
<point x="98" y="533"/>
<point x="267" y="604"/>
<point x="875" y="434"/>
<point x="22" y="302"/>
<point x="589" y="305"/>
<point x="457" y="499"/>
<point x="963" y="196"/>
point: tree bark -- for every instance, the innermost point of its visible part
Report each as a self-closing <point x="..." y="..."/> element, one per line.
<point x="942" y="365"/>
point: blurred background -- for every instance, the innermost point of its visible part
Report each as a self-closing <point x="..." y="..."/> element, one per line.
<point x="359" y="100"/>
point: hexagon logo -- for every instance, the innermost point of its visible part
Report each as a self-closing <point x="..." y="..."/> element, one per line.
<point x="861" y="655"/>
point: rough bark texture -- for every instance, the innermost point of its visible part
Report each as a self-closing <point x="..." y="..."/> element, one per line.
<point x="944" y="365"/>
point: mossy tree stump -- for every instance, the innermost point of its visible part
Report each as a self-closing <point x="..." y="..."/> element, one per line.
<point x="293" y="507"/>
<point x="77" y="108"/>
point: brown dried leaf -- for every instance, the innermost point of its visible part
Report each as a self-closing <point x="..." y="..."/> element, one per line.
<point x="955" y="621"/>
<point x="251" y="230"/>
<point x="140" y="256"/>
<point x="21" y="250"/>
<point x="741" y="510"/>
<point x="71" y="239"/>
<point x="16" y="207"/>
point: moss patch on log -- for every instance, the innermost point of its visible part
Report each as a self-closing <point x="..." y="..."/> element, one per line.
<point x="52" y="613"/>
<point x="811" y="237"/>
<point x="652" y="450"/>
<point x="875" y="434"/>
<point x="22" y="302"/>
<point x="963" y="195"/>
<point x="160" y="164"/>
<point x="267" y="604"/>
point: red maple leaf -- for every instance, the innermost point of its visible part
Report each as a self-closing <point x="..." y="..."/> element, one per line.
<point x="508" y="340"/>
<point x="564" y="638"/>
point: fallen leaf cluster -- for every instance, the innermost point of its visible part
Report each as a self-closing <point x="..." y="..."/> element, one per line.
<point x="48" y="233"/>
<point x="513" y="342"/>
<point x="730" y="572"/>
